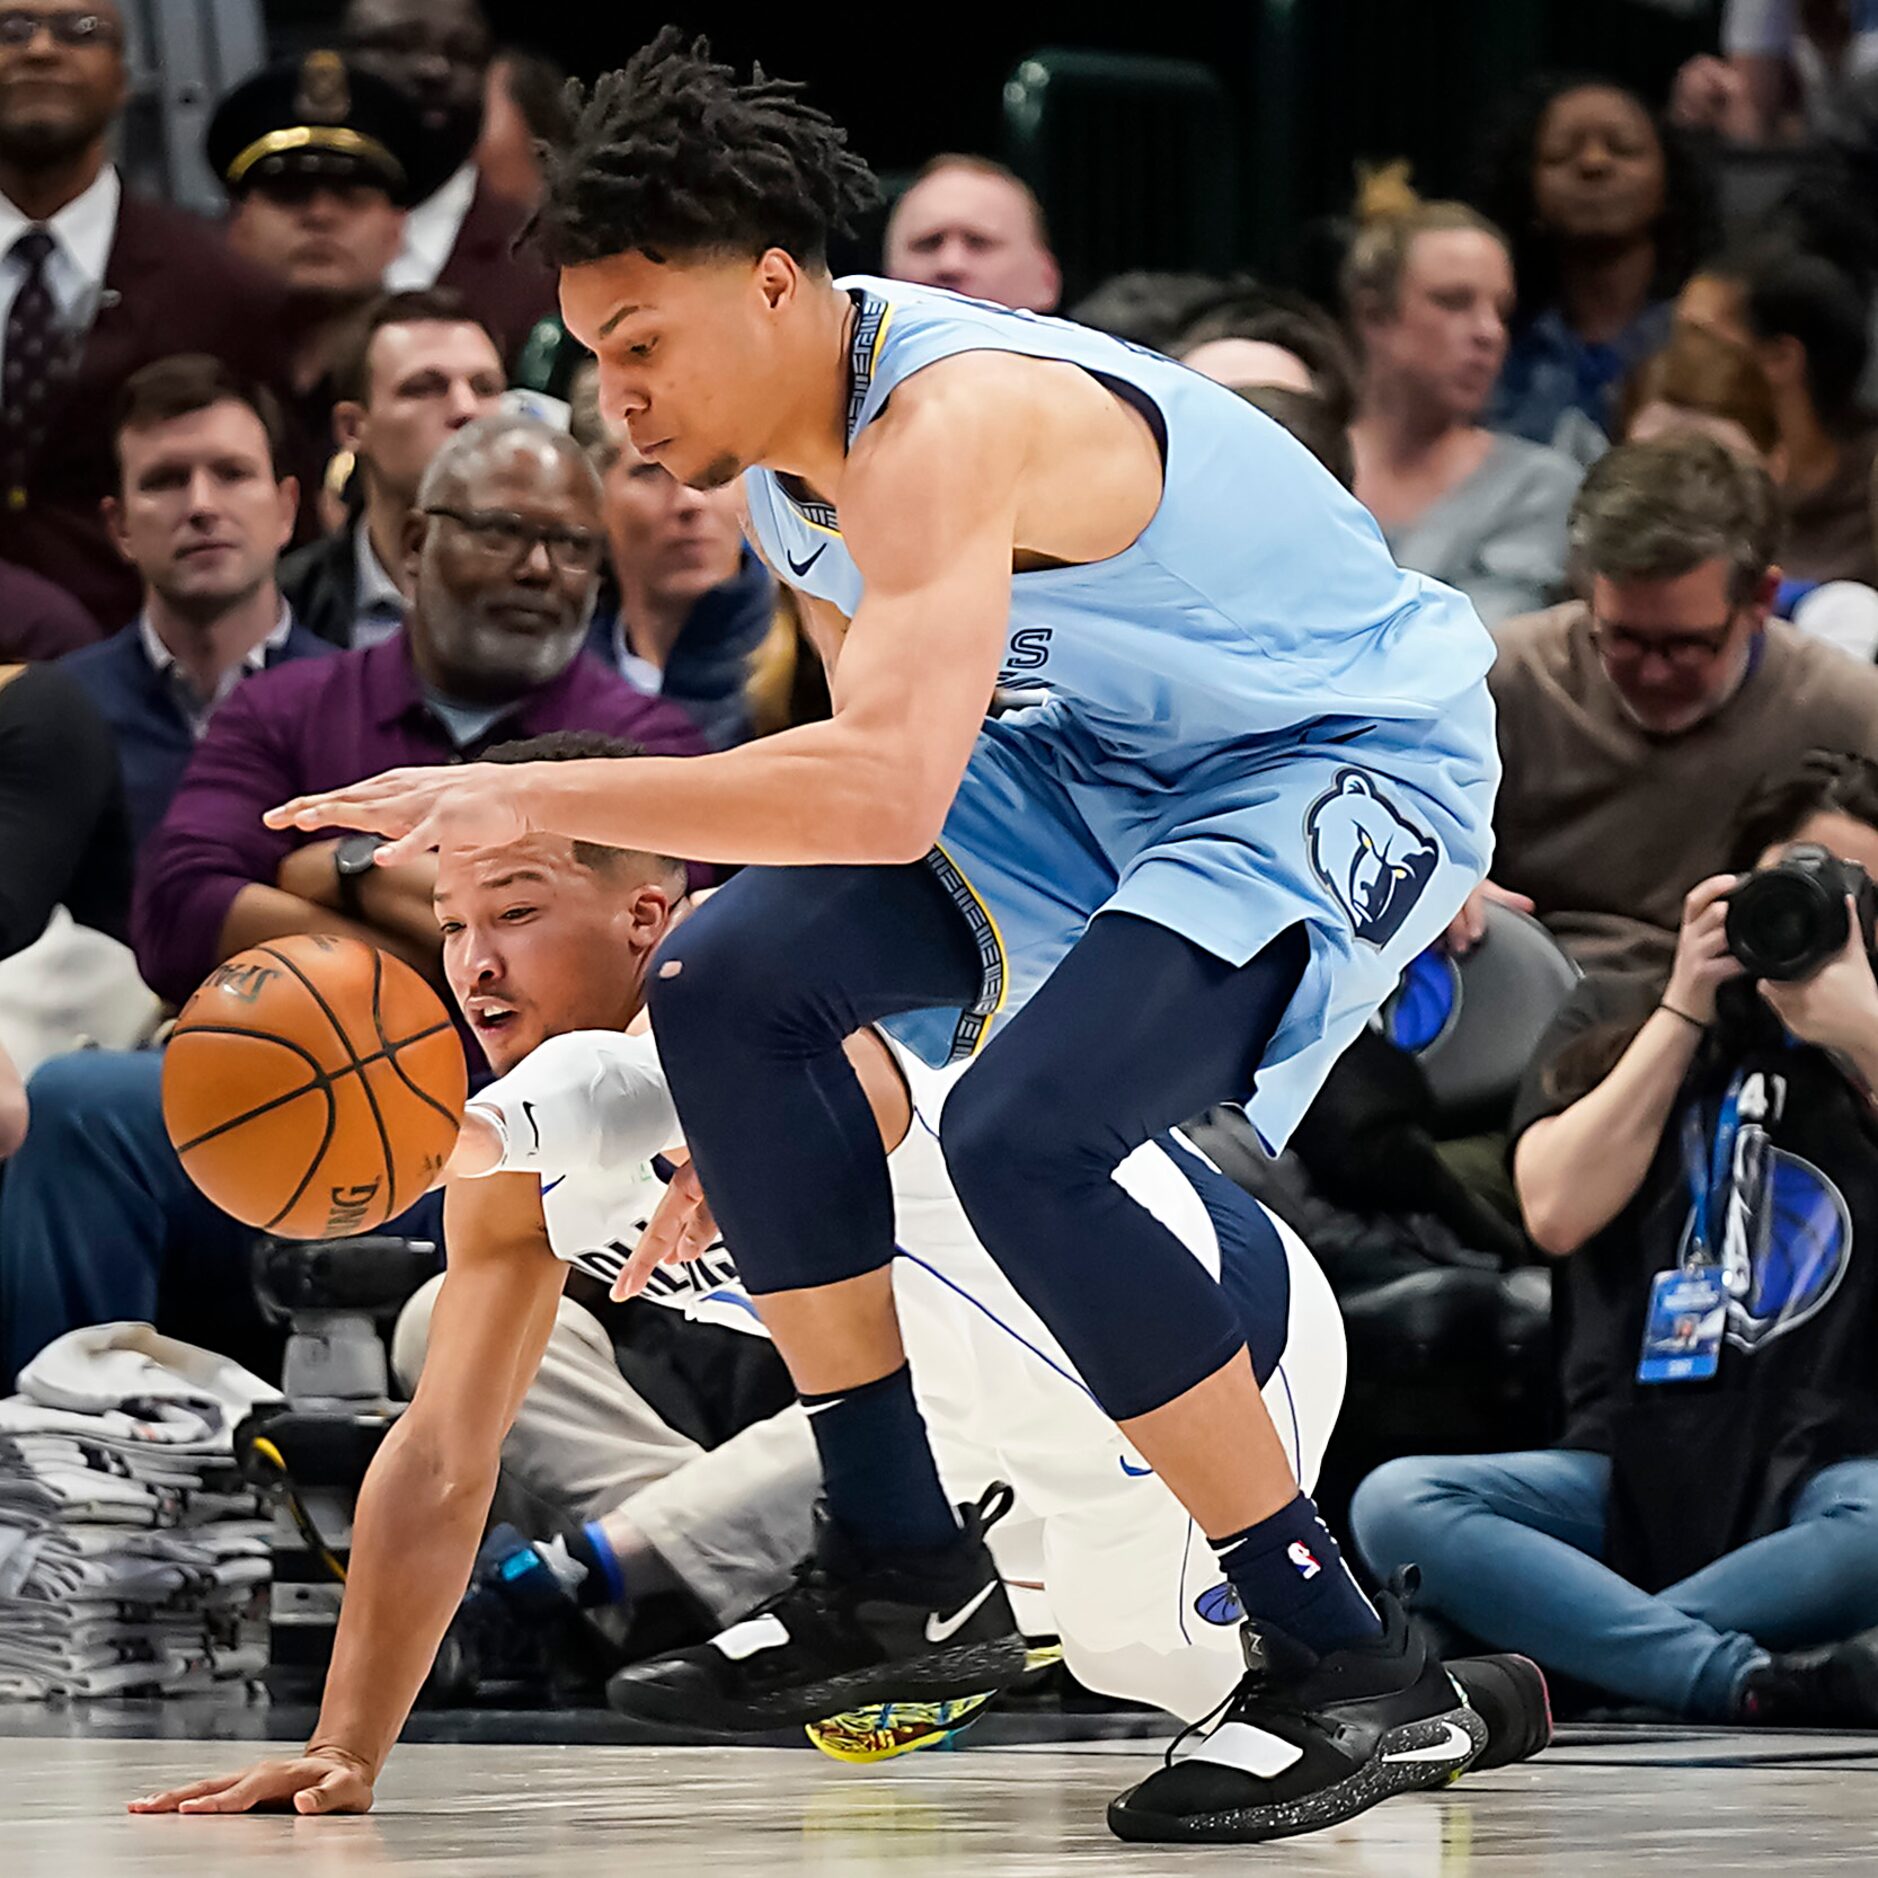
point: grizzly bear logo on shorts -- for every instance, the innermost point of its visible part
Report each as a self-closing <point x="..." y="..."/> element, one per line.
<point x="1369" y="854"/>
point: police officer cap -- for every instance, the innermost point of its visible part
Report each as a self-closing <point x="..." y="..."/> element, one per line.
<point x="316" y="117"/>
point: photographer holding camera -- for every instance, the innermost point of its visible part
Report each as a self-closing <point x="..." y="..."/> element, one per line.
<point x="1704" y="1538"/>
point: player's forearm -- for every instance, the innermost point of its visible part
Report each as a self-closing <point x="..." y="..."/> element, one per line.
<point x="821" y="793"/>
<point x="414" y="1543"/>
<point x="1577" y="1170"/>
<point x="260" y="913"/>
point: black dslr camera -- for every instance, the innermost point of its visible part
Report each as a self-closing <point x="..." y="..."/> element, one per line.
<point x="1786" y="921"/>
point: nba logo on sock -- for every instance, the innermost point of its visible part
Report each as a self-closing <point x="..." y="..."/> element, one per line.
<point x="1300" y="1555"/>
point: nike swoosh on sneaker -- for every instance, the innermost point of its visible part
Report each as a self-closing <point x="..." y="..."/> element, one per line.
<point x="1458" y="1742"/>
<point x="939" y="1629"/>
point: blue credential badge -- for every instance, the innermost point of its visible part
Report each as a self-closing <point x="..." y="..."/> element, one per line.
<point x="1682" y="1335"/>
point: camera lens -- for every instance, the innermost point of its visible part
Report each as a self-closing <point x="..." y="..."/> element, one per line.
<point x="1782" y="923"/>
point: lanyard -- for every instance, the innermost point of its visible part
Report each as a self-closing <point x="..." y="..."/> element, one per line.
<point x="1720" y="1176"/>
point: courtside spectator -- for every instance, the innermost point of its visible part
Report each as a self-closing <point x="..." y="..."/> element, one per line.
<point x="1146" y="308"/>
<point x="522" y="110"/>
<point x="37" y="619"/>
<point x="93" y="284"/>
<point x="415" y="369"/>
<point x="63" y="840"/>
<point x="1807" y="326"/>
<point x="1711" y="1507"/>
<point x="462" y="231"/>
<point x="1635" y="722"/>
<point x="97" y="1220"/>
<point x="1702" y="384"/>
<point x="202" y="512"/>
<point x="1246" y="336"/>
<point x="318" y="162"/>
<point x="974" y="227"/>
<point x="1428" y="289"/>
<point x="690" y="605"/>
<point x="507" y="544"/>
<point x="1607" y="213"/>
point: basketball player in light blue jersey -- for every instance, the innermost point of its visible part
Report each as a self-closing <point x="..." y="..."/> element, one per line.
<point x="1258" y="780"/>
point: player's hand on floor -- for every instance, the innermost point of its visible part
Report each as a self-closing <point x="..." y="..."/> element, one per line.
<point x="678" y="1232"/>
<point x="465" y="806"/>
<point x="314" y="1783"/>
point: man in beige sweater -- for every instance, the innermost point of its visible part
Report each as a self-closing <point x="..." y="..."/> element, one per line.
<point x="1636" y="721"/>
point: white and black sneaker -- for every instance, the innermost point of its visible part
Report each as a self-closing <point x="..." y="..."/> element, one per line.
<point x="1306" y="1741"/>
<point x="846" y="1632"/>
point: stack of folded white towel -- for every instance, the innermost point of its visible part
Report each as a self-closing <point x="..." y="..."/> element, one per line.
<point x="132" y="1555"/>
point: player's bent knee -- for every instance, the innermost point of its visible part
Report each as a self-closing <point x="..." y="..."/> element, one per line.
<point x="716" y="979"/>
<point x="1010" y="1141"/>
<point x="1386" y="1512"/>
<point x="91" y="1102"/>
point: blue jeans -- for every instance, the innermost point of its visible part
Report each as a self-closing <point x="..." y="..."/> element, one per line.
<point x="97" y="1216"/>
<point x="1509" y="1547"/>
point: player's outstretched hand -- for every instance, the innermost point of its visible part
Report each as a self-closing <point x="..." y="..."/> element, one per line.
<point x="677" y="1233"/>
<point x="326" y="1782"/>
<point x="454" y="807"/>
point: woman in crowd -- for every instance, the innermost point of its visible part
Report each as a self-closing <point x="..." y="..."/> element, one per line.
<point x="1704" y="1538"/>
<point x="1607" y="214"/>
<point x="1707" y="383"/>
<point x="1428" y="290"/>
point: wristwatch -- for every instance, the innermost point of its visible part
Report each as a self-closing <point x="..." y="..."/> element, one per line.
<point x="352" y="861"/>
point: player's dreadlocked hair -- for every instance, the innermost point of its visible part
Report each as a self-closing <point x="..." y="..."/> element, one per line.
<point x="673" y="156"/>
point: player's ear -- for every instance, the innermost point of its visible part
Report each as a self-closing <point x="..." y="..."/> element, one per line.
<point x="650" y="913"/>
<point x="777" y="278"/>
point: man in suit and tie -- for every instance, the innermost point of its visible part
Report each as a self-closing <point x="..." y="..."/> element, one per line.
<point x="94" y="283"/>
<point x="461" y="234"/>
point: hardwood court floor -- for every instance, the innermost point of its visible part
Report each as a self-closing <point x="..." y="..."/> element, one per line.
<point x="1602" y="1804"/>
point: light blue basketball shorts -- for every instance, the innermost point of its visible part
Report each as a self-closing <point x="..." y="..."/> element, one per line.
<point x="1369" y="834"/>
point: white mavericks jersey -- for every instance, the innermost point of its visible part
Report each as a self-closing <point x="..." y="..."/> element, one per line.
<point x="1132" y="1586"/>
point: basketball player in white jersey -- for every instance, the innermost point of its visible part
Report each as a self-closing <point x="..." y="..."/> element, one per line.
<point x="552" y="1173"/>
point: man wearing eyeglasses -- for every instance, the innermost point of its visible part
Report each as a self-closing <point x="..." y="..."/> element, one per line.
<point x="94" y="284"/>
<point x="1635" y="721"/>
<point x="98" y="1220"/>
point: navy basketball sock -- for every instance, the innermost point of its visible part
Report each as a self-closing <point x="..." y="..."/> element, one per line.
<point x="1289" y="1573"/>
<point x="878" y="1474"/>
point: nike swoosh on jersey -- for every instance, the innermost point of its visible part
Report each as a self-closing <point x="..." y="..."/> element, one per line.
<point x="550" y="1187"/>
<point x="938" y="1628"/>
<point x="1134" y="1473"/>
<point x="799" y="568"/>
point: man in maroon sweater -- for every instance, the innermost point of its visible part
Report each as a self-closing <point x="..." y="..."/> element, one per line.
<point x="97" y="1220"/>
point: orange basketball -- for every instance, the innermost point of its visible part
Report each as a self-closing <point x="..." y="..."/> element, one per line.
<point x="313" y="1086"/>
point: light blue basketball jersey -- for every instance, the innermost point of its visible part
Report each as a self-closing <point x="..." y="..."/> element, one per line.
<point x="1260" y="597"/>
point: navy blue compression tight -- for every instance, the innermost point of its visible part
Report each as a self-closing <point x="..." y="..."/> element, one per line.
<point x="1136" y="1031"/>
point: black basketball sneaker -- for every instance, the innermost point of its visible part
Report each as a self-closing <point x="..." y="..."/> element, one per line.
<point x="845" y="1632"/>
<point x="1510" y="1695"/>
<point x="1306" y="1741"/>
